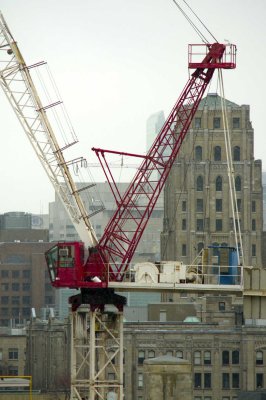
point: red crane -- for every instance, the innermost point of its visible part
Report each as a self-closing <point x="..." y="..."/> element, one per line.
<point x="110" y="258"/>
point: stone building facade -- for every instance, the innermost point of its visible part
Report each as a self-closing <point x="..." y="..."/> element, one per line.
<point x="198" y="210"/>
<point x="225" y="354"/>
<point x="12" y="351"/>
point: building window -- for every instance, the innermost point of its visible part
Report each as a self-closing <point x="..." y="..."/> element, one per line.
<point x="4" y="300"/>
<point x="225" y="380"/>
<point x="219" y="205"/>
<point x="259" y="381"/>
<point x="169" y="353"/>
<point x="26" y="274"/>
<point x="151" y="354"/>
<point x="197" y="122"/>
<point x="25" y="286"/>
<point x="197" y="358"/>
<point x="141" y="356"/>
<point x="197" y="380"/>
<point x="179" y="354"/>
<point x="238" y="203"/>
<point x="207" y="357"/>
<point x="259" y="358"/>
<point x="184" y="249"/>
<point x="184" y="224"/>
<point x="198" y="153"/>
<point x="15" y="274"/>
<point x="253" y="250"/>
<point x="199" y="205"/>
<point x="225" y="357"/>
<point x="184" y="205"/>
<point x="4" y="273"/>
<point x="253" y="206"/>
<point x="200" y="225"/>
<point x="15" y="300"/>
<point x="253" y="224"/>
<point x="26" y="312"/>
<point x="199" y="183"/>
<point x="219" y="225"/>
<point x="15" y="287"/>
<point x="140" y="380"/>
<point x="216" y="122"/>
<point x="238" y="184"/>
<point x="221" y="306"/>
<point x="207" y="380"/>
<point x="236" y="123"/>
<point x="13" y="354"/>
<point x="236" y="153"/>
<point x="12" y="371"/>
<point x="217" y="153"/>
<point x="200" y="247"/>
<point x="235" y="357"/>
<point x="219" y="184"/>
<point x="235" y="380"/>
<point x="4" y="287"/>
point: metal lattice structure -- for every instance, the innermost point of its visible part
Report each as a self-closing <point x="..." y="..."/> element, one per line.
<point x="96" y="352"/>
<point x="125" y="228"/>
<point x="20" y="90"/>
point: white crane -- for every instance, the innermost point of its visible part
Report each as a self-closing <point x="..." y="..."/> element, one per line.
<point x="19" y="88"/>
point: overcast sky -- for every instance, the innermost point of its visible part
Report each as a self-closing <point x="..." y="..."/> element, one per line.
<point x="116" y="62"/>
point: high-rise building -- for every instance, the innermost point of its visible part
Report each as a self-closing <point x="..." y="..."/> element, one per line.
<point x="153" y="127"/>
<point x="198" y="210"/>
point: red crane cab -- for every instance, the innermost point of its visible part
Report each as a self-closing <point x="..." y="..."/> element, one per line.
<point x="67" y="264"/>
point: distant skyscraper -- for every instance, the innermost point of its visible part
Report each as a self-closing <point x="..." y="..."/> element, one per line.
<point x="153" y="126"/>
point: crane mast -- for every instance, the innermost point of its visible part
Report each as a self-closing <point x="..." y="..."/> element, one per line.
<point x="18" y="86"/>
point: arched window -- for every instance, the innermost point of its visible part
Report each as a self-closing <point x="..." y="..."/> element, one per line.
<point x="219" y="184"/>
<point x="236" y="153"/>
<point x="235" y="357"/>
<point x="200" y="246"/>
<point x="238" y="184"/>
<point x="141" y="356"/>
<point x="207" y="357"/>
<point x="215" y="250"/>
<point x="179" y="354"/>
<point x="199" y="183"/>
<point x="198" y="153"/>
<point x="151" y="354"/>
<point x="217" y="153"/>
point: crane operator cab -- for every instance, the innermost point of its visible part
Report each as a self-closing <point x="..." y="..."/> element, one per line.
<point x="70" y="265"/>
<point x="65" y="264"/>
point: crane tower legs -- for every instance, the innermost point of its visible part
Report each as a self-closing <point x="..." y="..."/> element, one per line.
<point x="96" y="353"/>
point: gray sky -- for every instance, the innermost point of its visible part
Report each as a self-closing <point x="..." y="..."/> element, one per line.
<point x="115" y="63"/>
